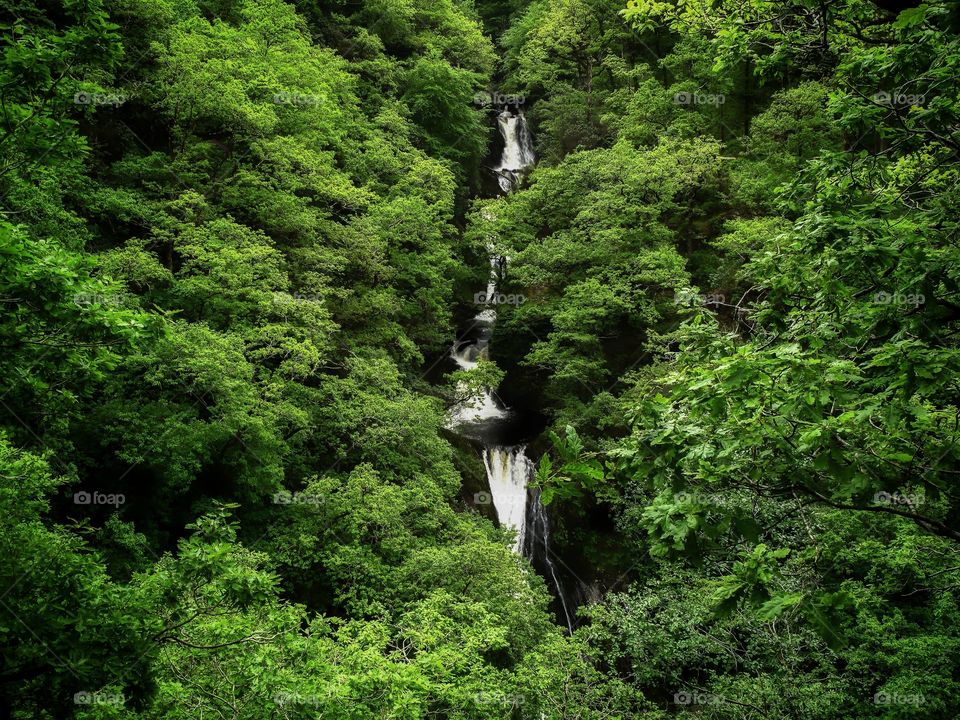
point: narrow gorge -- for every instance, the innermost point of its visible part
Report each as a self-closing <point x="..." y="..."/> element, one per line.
<point x="500" y="432"/>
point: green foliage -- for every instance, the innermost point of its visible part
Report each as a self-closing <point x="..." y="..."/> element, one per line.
<point x="576" y="471"/>
<point x="596" y="255"/>
<point x="800" y="387"/>
<point x="66" y="627"/>
<point x="233" y="234"/>
<point x="439" y="97"/>
<point x="236" y="261"/>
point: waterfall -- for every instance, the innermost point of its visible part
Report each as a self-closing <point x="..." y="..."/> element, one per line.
<point x="517" y="149"/>
<point x="508" y="471"/>
<point x="485" y="407"/>
<point x="517" y="156"/>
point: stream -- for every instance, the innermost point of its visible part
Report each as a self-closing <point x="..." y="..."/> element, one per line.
<point x="500" y="432"/>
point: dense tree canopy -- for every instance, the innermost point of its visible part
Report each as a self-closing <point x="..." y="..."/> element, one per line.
<point x="238" y="238"/>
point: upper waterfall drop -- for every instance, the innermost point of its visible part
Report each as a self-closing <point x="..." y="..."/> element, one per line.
<point x="517" y="149"/>
<point x="470" y="417"/>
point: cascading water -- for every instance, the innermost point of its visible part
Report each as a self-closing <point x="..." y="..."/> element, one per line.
<point x="509" y="471"/>
<point x="517" y="149"/>
<point x="517" y="156"/>
<point x="485" y="407"/>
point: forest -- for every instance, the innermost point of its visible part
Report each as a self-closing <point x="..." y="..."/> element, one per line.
<point x="479" y="359"/>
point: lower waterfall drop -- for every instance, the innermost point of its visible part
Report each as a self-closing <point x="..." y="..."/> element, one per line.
<point x="508" y="471"/>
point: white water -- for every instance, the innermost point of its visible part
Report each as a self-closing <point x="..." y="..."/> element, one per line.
<point x="516" y="157"/>
<point x="508" y="470"/>
<point x="484" y="407"/>
<point x="517" y="149"/>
